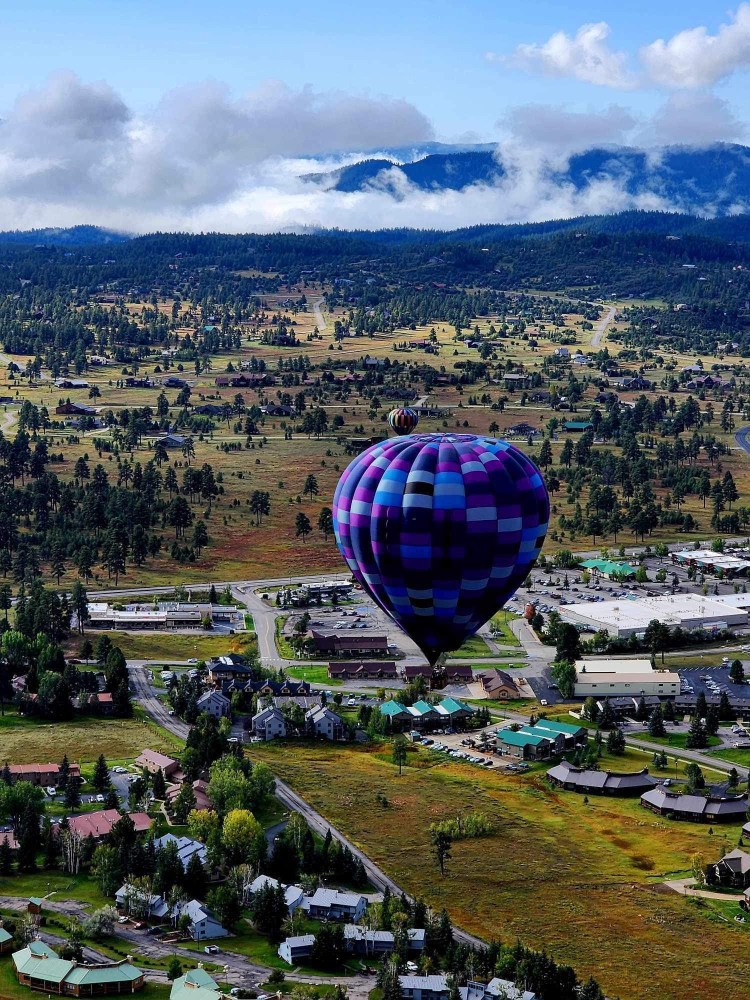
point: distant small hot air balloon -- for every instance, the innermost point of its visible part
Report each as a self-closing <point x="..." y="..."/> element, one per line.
<point x="403" y="419"/>
<point x="441" y="530"/>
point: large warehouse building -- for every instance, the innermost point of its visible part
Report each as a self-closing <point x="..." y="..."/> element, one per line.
<point x="625" y="617"/>
<point x="611" y="677"/>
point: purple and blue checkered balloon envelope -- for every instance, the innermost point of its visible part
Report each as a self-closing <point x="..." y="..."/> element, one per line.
<point x="441" y="530"/>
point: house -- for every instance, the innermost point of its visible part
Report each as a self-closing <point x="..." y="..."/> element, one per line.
<point x="516" y="381"/>
<point x="695" y="808"/>
<point x="498" y="684"/>
<point x="454" y="710"/>
<point x="562" y="353"/>
<point x="138" y="383"/>
<point x="279" y="689"/>
<point x="293" y="894"/>
<point x="38" y="967"/>
<point x="71" y="383"/>
<point x="173" y="382"/>
<point x="186" y="848"/>
<point x="100" y="702"/>
<point x="75" y="409"/>
<point x="269" y="724"/>
<point x="496" y="989"/>
<point x="204" y="926"/>
<point x="244" y="380"/>
<point x="731" y="870"/>
<point x="525" y="744"/>
<point x="195" y="985"/>
<point x="330" y="904"/>
<point x="99" y="824"/>
<point x="577" y="426"/>
<point x="411" y="672"/>
<point x="141" y="905"/>
<point x="322" y="722"/>
<point x="153" y="761"/>
<point x="209" y="410"/>
<point x="40" y="774"/>
<point x="272" y="410"/>
<point x="423" y="714"/>
<point x="577" y="779"/>
<point x="215" y="704"/>
<point x="294" y="949"/>
<point x="170" y="441"/>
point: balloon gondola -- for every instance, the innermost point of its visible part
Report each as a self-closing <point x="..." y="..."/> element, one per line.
<point x="441" y="530"/>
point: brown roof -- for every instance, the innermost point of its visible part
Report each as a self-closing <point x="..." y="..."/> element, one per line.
<point x="99" y="824"/>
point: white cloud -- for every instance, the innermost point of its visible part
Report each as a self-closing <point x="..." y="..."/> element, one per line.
<point x="695" y="58"/>
<point x="583" y="56"/>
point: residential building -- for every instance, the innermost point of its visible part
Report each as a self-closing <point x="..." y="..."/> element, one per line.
<point x="397" y="714"/>
<point x="204" y="925"/>
<point x="293" y="894"/>
<point x="731" y="870"/>
<point x="269" y="724"/>
<point x="284" y="688"/>
<point x="99" y="824"/>
<point x="139" y="904"/>
<point x="294" y="949"/>
<point x="186" y="848"/>
<point x="424" y="987"/>
<point x="496" y="989"/>
<point x="411" y="672"/>
<point x="324" y="723"/>
<point x="573" y="736"/>
<point x="154" y="761"/>
<point x="230" y="667"/>
<point x="363" y="941"/>
<point x="215" y="704"/>
<point x="458" y="673"/>
<point x="40" y="774"/>
<point x="38" y="967"/>
<point x="200" y="791"/>
<point x="577" y="779"/>
<point x="364" y="669"/>
<point x="525" y="743"/>
<point x="330" y="904"/>
<point x="75" y="410"/>
<point x="6" y="940"/>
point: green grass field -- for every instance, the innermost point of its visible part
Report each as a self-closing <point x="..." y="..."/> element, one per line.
<point x="475" y="646"/>
<point x="315" y="675"/>
<point x="741" y="757"/>
<point x="598" y="867"/>
<point x="27" y="741"/>
<point x="179" y="646"/>
<point x="677" y="740"/>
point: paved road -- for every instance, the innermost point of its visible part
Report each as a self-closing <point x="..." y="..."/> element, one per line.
<point x="284" y="793"/>
<point x="601" y="327"/>
<point x="742" y="438"/>
<point x="682" y="885"/>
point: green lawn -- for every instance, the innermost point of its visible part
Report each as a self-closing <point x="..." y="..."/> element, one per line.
<point x="502" y="631"/>
<point x="179" y="646"/>
<point x="475" y="646"/>
<point x="677" y="740"/>
<point x="314" y="674"/>
<point x="741" y="757"/>
<point x="81" y="887"/>
<point x="83" y="738"/>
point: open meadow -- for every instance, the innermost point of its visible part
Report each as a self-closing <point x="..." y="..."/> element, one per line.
<point x="28" y="741"/>
<point x="582" y="880"/>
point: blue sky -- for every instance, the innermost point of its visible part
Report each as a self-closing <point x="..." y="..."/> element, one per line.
<point x="429" y="52"/>
<point x="209" y="115"/>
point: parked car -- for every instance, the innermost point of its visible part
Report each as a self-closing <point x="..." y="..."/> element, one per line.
<point x="211" y="949"/>
<point x="51" y="790"/>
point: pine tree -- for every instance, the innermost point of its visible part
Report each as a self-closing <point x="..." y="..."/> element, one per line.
<point x="656" y="723"/>
<point x="159" y="785"/>
<point x="6" y="857"/>
<point x="100" y="779"/>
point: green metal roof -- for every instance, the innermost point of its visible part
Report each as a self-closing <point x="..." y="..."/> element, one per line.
<point x="124" y="973"/>
<point x="4" y="935"/>
<point x="453" y="705"/>
<point x="197" y="977"/>
<point x="423" y="707"/>
<point x="36" y="900"/>
<point x="392" y="708"/>
<point x="522" y="738"/>
<point x="577" y="425"/>
<point x="52" y="970"/>
<point x="607" y="566"/>
<point x="183" y="991"/>
<point x="558" y="727"/>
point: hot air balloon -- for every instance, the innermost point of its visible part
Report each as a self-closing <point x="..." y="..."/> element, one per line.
<point x="440" y="529"/>
<point x="403" y="419"/>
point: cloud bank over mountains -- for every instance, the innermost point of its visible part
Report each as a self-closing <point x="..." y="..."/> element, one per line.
<point x="203" y="159"/>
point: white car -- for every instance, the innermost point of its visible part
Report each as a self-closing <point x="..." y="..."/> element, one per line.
<point x="119" y="770"/>
<point x="352" y="701"/>
<point x="51" y="790"/>
<point x="100" y="798"/>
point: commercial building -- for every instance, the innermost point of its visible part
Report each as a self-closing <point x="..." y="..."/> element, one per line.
<point x="720" y="564"/>
<point x="577" y="779"/>
<point x="38" y="967"/>
<point x="625" y="617"/>
<point x="600" y="678"/>
<point x="696" y="808"/>
<point x="163" y="616"/>
<point x="195" y="985"/>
